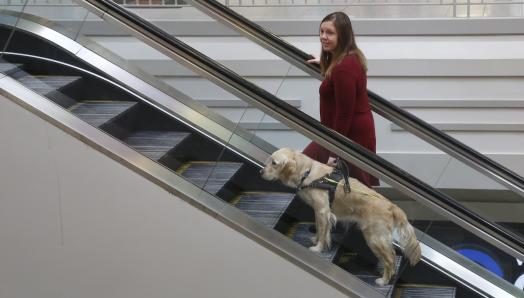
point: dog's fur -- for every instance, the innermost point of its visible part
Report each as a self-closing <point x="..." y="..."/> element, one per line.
<point x="375" y="215"/>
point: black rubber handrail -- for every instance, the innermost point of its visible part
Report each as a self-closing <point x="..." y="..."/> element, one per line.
<point x="505" y="239"/>
<point x="380" y="105"/>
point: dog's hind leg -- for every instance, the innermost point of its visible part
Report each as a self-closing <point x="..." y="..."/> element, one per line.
<point x="314" y="238"/>
<point x="380" y="243"/>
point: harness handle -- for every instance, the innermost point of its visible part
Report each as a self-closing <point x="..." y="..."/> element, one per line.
<point x="342" y="166"/>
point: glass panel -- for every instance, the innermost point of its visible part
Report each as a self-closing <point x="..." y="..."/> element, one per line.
<point x="486" y="255"/>
<point x="9" y="20"/>
<point x="169" y="113"/>
<point x="479" y="193"/>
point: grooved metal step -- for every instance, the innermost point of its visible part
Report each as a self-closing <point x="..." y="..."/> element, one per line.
<point x="46" y="84"/>
<point x="7" y="68"/>
<point x="264" y="207"/>
<point x="302" y="232"/>
<point x="155" y="144"/>
<point x="368" y="273"/>
<point x="97" y="113"/>
<point x="423" y="291"/>
<point x="387" y="290"/>
<point x="210" y="175"/>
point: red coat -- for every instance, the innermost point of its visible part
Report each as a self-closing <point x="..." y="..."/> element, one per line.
<point x="344" y="107"/>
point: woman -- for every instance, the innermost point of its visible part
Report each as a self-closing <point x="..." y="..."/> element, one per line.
<point x="344" y="105"/>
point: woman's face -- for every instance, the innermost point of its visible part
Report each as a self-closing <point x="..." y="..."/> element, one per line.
<point x="328" y="36"/>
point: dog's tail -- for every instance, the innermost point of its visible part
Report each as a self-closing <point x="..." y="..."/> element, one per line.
<point x="408" y="239"/>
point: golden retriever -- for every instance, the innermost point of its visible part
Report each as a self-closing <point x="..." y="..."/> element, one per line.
<point x="375" y="215"/>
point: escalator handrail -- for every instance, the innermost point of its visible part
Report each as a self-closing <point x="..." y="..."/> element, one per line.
<point x="379" y="104"/>
<point x="492" y="232"/>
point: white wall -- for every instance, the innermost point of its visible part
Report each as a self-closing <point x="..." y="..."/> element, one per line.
<point x="75" y="223"/>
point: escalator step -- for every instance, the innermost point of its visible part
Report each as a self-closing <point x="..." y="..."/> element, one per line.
<point x="366" y="272"/>
<point x="155" y="144"/>
<point x="303" y="231"/>
<point x="423" y="291"/>
<point x="387" y="290"/>
<point x="265" y="207"/>
<point x="7" y="68"/>
<point x="97" y="113"/>
<point x="46" y="84"/>
<point x="370" y="278"/>
<point x="210" y="175"/>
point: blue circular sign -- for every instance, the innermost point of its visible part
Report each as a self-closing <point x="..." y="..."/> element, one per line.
<point x="483" y="259"/>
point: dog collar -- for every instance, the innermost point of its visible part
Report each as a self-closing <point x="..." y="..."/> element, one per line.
<point x="306" y="174"/>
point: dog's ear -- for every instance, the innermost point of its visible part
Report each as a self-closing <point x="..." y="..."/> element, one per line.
<point x="291" y="164"/>
<point x="279" y="160"/>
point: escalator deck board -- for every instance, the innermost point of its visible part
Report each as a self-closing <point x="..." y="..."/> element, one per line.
<point x="97" y="113"/>
<point x="212" y="176"/>
<point x="45" y="85"/>
<point x="302" y="233"/>
<point x="265" y="207"/>
<point x="421" y="291"/>
<point x="155" y="144"/>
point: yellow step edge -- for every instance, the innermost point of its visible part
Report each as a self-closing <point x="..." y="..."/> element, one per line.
<point x="235" y="200"/>
<point x="294" y="228"/>
<point x="188" y="164"/>
<point x="263" y="192"/>
<point x="412" y="285"/>
<point x="93" y="101"/>
<point x="344" y="258"/>
<point x="183" y="168"/>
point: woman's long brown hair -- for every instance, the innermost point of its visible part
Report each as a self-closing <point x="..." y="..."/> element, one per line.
<point x="346" y="44"/>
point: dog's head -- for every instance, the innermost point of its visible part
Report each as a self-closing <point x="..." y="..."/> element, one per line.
<point x="281" y="165"/>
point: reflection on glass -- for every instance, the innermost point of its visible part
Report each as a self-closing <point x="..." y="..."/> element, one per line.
<point x="219" y="149"/>
<point x="9" y="11"/>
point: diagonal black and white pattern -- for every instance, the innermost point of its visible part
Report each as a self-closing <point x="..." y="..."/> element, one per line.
<point x="97" y="113"/>
<point x="212" y="176"/>
<point x="46" y="85"/>
<point x="265" y="207"/>
<point x="155" y="144"/>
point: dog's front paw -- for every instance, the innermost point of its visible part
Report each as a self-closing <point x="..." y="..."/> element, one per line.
<point x="380" y="281"/>
<point x="314" y="239"/>
<point x="317" y="248"/>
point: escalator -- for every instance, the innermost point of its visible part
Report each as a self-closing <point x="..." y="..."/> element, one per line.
<point x="224" y="166"/>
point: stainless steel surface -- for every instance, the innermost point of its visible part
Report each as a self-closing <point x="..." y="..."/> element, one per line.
<point x="158" y="94"/>
<point x="43" y="28"/>
<point x="422" y="195"/>
<point x="185" y="190"/>
<point x="463" y="270"/>
<point x="168" y="180"/>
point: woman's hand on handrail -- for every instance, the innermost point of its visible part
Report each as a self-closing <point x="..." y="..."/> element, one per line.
<point x="314" y="59"/>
